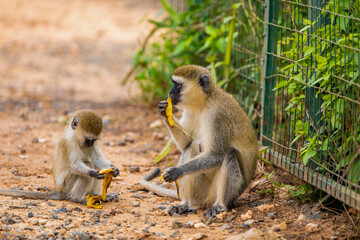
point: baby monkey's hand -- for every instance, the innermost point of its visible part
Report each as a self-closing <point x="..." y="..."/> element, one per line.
<point x="96" y="174"/>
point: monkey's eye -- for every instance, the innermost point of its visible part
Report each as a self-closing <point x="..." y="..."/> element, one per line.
<point x="177" y="85"/>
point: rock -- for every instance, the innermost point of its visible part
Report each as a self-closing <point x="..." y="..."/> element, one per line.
<point x="120" y="143"/>
<point x="176" y="225"/>
<point x="244" y="225"/>
<point x="136" y="204"/>
<point x="30" y="215"/>
<point x="158" y="136"/>
<point x="77" y="209"/>
<point x="138" y="196"/>
<point x="134" y="169"/>
<point x="197" y="236"/>
<point x="272" y="215"/>
<point x="306" y="210"/>
<point x="226" y="226"/>
<point x="43" y="221"/>
<point x="221" y="216"/>
<point x="22" y="151"/>
<point x="312" y="227"/>
<point x="301" y="218"/>
<point x="191" y="223"/>
<point x="246" y="216"/>
<point x="61" y="210"/>
<point x="317" y="215"/>
<point x="156" y="124"/>
<point x="265" y="207"/>
<point x="8" y="221"/>
<point x="249" y="222"/>
<point x="34" y="222"/>
<point x="173" y="235"/>
<point x="281" y="227"/>
<point x="162" y="207"/>
<point x="256" y="234"/>
<point x="199" y="225"/>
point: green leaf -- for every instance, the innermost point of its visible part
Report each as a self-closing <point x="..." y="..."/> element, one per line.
<point x="211" y="31"/>
<point x="321" y="59"/>
<point x="308" y="50"/>
<point x="220" y="44"/>
<point x="307" y="21"/>
<point x="164" y="152"/>
<point x="227" y="19"/>
<point x="309" y="154"/>
<point x="280" y="85"/>
<point x="304" y="28"/>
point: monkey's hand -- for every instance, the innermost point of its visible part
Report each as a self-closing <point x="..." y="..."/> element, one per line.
<point x="162" y="108"/>
<point x="96" y="174"/>
<point x="173" y="173"/>
<point x="115" y="172"/>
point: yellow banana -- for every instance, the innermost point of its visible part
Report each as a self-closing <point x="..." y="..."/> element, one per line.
<point x="95" y="201"/>
<point x="176" y="183"/>
<point x="169" y="112"/>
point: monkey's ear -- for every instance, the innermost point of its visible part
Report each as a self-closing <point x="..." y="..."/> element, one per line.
<point x="74" y="123"/>
<point x="204" y="82"/>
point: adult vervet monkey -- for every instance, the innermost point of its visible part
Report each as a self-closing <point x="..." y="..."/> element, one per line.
<point x="218" y="144"/>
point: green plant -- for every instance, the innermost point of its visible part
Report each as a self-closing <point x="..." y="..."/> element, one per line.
<point x="324" y="89"/>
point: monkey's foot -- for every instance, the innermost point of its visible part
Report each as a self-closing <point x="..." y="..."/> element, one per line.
<point x="180" y="209"/>
<point x="212" y="211"/>
<point x="112" y="197"/>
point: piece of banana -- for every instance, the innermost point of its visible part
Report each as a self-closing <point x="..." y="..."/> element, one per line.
<point x="169" y="112"/>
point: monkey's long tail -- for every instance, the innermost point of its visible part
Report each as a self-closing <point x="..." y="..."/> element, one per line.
<point x="159" y="190"/>
<point x="53" y="195"/>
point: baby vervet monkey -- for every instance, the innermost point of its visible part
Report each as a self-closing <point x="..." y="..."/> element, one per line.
<point x="218" y="145"/>
<point x="77" y="162"/>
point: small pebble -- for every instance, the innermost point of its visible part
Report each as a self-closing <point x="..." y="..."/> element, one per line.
<point x="136" y="204"/>
<point x="226" y="226"/>
<point x="176" y="225"/>
<point x="272" y="215"/>
<point x="197" y="236"/>
<point x="134" y="169"/>
<point x="30" y="215"/>
<point x="43" y="221"/>
<point x="138" y="196"/>
<point x="199" y="225"/>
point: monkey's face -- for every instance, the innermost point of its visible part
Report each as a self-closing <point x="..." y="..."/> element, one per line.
<point x="84" y="137"/>
<point x="175" y="92"/>
<point x="189" y="93"/>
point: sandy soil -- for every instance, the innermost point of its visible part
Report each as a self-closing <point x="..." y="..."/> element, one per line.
<point x="60" y="56"/>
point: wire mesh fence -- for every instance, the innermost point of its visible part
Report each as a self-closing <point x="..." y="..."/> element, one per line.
<point x="296" y="66"/>
<point x="312" y="93"/>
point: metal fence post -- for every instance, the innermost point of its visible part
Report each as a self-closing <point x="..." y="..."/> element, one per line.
<point x="313" y="102"/>
<point x="270" y="47"/>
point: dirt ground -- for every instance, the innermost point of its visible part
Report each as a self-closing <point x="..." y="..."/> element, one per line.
<point x="60" y="56"/>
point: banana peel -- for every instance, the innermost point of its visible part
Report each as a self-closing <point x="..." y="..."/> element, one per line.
<point x="168" y="112"/>
<point x="95" y="201"/>
<point x="176" y="183"/>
